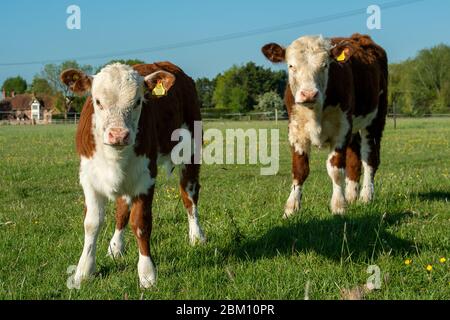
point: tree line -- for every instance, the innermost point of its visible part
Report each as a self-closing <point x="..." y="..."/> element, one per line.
<point x="243" y="89"/>
<point x="417" y="86"/>
<point x="421" y="85"/>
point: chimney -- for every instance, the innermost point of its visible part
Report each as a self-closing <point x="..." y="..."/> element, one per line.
<point x="13" y="94"/>
<point x="4" y="93"/>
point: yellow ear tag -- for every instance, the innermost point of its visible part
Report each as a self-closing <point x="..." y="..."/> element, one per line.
<point x="341" y="57"/>
<point x="75" y="77"/>
<point x="159" y="89"/>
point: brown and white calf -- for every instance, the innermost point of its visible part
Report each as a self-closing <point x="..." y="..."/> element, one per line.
<point x="336" y="96"/>
<point x="123" y="132"/>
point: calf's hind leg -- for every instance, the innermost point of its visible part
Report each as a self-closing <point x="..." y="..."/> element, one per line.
<point x="370" y="157"/>
<point x="189" y="189"/>
<point x="353" y="169"/>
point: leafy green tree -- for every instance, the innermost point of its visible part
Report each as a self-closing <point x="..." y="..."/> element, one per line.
<point x="431" y="77"/>
<point x="17" y="85"/>
<point x="205" y="90"/>
<point x="224" y="84"/>
<point x="269" y="101"/>
<point x="238" y="99"/>
<point x="421" y="85"/>
<point x="400" y="96"/>
<point x="258" y="80"/>
<point x="252" y="79"/>
<point x="41" y="86"/>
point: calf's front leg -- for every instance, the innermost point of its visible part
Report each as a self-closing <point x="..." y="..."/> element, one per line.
<point x="93" y="220"/>
<point x="116" y="245"/>
<point x="141" y="223"/>
<point x="300" y="171"/>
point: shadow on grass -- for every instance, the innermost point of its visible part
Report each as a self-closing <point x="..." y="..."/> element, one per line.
<point x="434" y="196"/>
<point x="366" y="237"/>
<point x="109" y="266"/>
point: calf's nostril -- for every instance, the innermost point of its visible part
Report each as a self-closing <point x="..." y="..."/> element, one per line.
<point x="126" y="136"/>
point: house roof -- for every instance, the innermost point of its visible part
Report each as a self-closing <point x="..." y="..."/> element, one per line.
<point x="22" y="102"/>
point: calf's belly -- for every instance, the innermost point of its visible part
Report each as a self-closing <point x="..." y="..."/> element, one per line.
<point x="115" y="180"/>
<point x="363" y="121"/>
<point x="330" y="128"/>
<point x="308" y="127"/>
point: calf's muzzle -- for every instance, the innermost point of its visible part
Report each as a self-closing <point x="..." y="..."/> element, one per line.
<point x="118" y="136"/>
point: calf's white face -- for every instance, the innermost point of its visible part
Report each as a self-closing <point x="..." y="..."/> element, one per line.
<point x="308" y="59"/>
<point x="117" y="96"/>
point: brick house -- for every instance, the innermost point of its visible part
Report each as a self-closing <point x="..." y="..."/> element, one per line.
<point x="23" y="107"/>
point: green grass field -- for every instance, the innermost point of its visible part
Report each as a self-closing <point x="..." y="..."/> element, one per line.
<point x="251" y="252"/>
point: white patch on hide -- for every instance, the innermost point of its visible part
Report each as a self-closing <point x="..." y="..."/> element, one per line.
<point x="362" y="122"/>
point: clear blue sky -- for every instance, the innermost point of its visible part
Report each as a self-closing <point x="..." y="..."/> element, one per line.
<point x="36" y="30"/>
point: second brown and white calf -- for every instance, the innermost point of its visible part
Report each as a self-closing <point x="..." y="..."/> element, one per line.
<point x="336" y="96"/>
<point x="123" y="132"/>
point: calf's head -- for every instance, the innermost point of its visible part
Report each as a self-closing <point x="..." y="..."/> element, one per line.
<point x="117" y="95"/>
<point x="308" y="59"/>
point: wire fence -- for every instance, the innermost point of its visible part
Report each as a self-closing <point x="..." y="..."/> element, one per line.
<point x="13" y="118"/>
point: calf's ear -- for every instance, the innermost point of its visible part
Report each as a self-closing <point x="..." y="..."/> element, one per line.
<point x="274" y="52"/>
<point x="159" y="82"/>
<point x="77" y="81"/>
<point x="342" y="52"/>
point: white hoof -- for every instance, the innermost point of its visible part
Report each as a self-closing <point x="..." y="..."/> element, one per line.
<point x="146" y="272"/>
<point x="84" y="272"/>
<point x="338" y="205"/>
<point x="293" y="203"/>
<point x="351" y="190"/>
<point x="196" y="235"/>
<point x="290" y="211"/>
<point x="366" y="194"/>
<point x="116" y="246"/>
<point x="79" y="278"/>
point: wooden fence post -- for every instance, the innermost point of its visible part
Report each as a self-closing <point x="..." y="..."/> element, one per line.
<point x="395" y="114"/>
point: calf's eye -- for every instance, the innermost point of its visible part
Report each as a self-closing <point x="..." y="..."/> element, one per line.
<point x="138" y="103"/>
<point x="97" y="102"/>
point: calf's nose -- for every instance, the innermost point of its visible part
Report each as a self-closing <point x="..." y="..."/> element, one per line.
<point x="118" y="136"/>
<point x="308" y="96"/>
